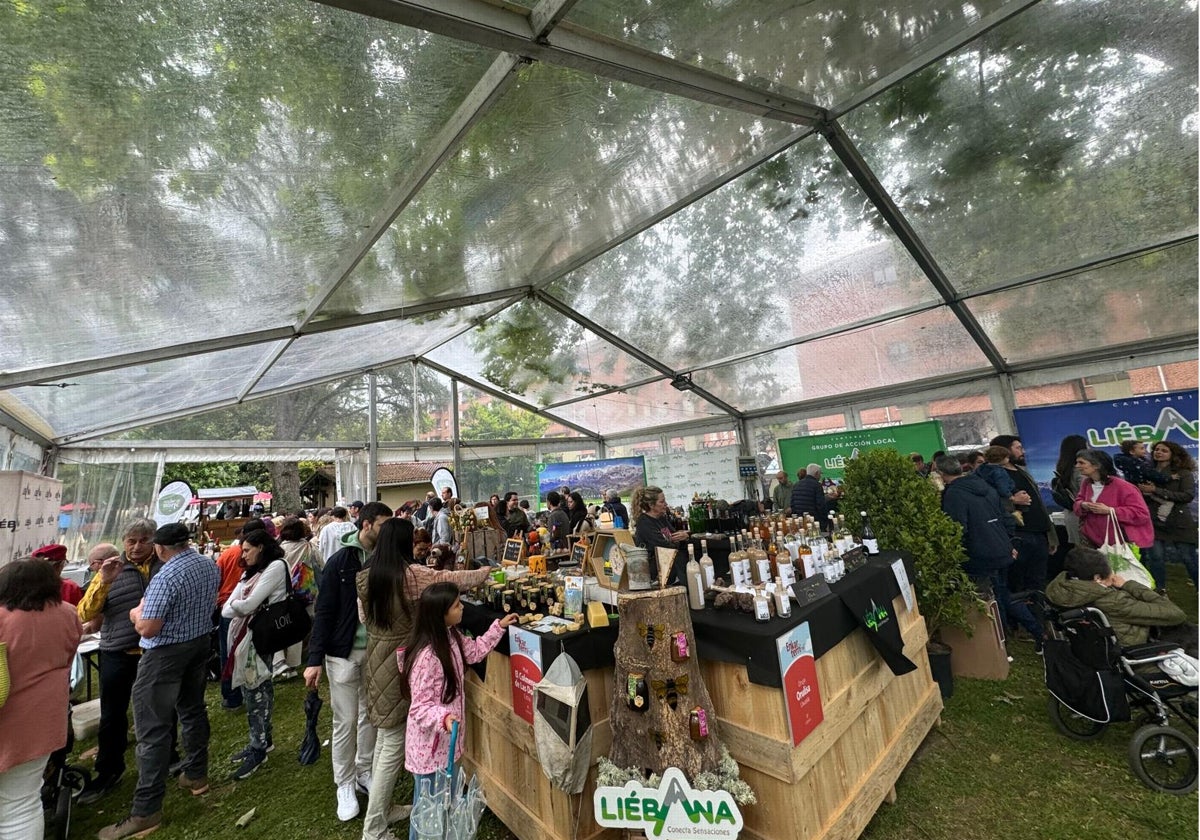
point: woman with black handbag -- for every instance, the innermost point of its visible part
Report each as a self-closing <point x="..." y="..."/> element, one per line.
<point x="264" y="582"/>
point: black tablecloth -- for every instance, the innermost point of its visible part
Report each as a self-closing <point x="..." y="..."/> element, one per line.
<point x="725" y="635"/>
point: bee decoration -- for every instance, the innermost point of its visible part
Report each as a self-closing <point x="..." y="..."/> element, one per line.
<point x="670" y="689"/>
<point x="649" y="633"/>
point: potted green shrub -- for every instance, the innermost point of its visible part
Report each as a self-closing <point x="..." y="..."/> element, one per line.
<point x="906" y="514"/>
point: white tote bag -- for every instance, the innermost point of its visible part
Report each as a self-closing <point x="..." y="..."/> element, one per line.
<point x="1121" y="555"/>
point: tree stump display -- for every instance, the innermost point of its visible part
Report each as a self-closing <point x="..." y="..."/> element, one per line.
<point x="661" y="713"/>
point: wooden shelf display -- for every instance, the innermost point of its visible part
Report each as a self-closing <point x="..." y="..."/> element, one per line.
<point x="827" y="787"/>
<point x="600" y="556"/>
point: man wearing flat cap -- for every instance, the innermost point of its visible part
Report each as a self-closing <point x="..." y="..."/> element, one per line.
<point x="174" y="621"/>
<point x="56" y="556"/>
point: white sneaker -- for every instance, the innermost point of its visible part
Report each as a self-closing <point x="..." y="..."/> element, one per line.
<point x="347" y="808"/>
<point x="364" y="783"/>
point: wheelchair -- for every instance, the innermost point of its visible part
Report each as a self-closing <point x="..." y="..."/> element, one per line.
<point x="1094" y="682"/>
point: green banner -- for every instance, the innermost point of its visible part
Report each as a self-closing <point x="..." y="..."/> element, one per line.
<point x="831" y="452"/>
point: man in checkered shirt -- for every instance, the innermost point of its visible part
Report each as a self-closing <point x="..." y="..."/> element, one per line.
<point x="174" y="621"/>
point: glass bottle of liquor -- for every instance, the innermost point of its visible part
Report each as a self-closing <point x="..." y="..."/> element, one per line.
<point x="707" y="570"/>
<point x="868" y="534"/>
<point x="762" y="605"/>
<point x="760" y="566"/>
<point x="804" y="554"/>
<point x="695" y="582"/>
<point x="783" y="599"/>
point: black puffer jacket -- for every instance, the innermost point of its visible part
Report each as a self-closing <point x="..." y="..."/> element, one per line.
<point x="987" y="529"/>
<point x="808" y="496"/>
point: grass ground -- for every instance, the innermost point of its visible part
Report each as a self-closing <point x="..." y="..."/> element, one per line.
<point x="995" y="769"/>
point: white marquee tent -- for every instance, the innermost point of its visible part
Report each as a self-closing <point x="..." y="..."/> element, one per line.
<point x="638" y="222"/>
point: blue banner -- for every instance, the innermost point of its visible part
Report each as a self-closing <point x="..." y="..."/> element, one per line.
<point x="1105" y="424"/>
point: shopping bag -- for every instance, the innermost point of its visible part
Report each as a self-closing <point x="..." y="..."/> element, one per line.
<point x="1121" y="555"/>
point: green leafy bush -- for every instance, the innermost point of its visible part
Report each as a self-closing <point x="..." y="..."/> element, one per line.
<point x="906" y="514"/>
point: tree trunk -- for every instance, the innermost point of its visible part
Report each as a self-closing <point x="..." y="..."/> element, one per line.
<point x="285" y="487"/>
<point x="660" y="736"/>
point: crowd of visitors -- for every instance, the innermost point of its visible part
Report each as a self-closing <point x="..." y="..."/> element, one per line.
<point x="382" y="581"/>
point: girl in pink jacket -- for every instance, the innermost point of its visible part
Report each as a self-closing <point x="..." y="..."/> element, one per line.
<point x="432" y="667"/>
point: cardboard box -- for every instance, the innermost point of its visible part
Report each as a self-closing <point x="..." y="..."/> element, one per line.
<point x="983" y="655"/>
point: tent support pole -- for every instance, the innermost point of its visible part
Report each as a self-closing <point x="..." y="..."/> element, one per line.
<point x="372" y="433"/>
<point x="454" y="435"/>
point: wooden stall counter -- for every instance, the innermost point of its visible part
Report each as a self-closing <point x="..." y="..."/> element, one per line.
<point x="827" y="787"/>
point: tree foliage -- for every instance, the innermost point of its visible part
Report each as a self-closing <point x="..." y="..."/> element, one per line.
<point x="906" y="514"/>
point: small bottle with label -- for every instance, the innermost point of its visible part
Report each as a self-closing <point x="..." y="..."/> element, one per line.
<point x="637" y="693"/>
<point x="762" y="605"/>
<point x="680" y="650"/>
<point x="695" y="582"/>
<point x="783" y="600"/>
<point x="707" y="570"/>
<point x="698" y="724"/>
<point x="868" y="535"/>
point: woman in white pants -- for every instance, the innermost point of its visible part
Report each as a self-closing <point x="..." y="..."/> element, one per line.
<point x="41" y="635"/>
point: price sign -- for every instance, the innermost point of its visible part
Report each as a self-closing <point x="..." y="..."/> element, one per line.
<point x="579" y="553"/>
<point x="514" y="550"/>
<point x="811" y="589"/>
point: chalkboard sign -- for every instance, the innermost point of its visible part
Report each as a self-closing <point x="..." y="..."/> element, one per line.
<point x="579" y="554"/>
<point x="514" y="551"/>
<point x="811" y="589"/>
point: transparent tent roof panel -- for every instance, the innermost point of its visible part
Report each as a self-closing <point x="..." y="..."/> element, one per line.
<point x="782" y="251"/>
<point x="1067" y="134"/>
<point x="1138" y="300"/>
<point x="158" y="173"/>
<point x="655" y="404"/>
<point x="128" y="394"/>
<point x="915" y="347"/>
<point x="564" y="162"/>
<point x="319" y="355"/>
<point x="826" y="50"/>
<point x="534" y="354"/>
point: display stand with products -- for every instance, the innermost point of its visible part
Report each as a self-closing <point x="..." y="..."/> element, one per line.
<point x="829" y="785"/>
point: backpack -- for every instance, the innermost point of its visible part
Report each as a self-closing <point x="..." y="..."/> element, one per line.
<point x="304" y="583"/>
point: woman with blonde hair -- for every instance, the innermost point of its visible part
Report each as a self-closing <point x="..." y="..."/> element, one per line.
<point x="652" y="530"/>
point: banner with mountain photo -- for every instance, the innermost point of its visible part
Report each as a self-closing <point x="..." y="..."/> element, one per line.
<point x="1106" y="423"/>
<point x="592" y="478"/>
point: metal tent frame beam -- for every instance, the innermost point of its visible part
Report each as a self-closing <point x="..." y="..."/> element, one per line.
<point x="482" y="23"/>
<point x="625" y="347"/>
<point x="500" y="395"/>
<point x="861" y="172"/>
<point x="52" y="373"/>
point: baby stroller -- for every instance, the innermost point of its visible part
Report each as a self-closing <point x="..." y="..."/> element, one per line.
<point x="62" y="782"/>
<point x="1093" y="682"/>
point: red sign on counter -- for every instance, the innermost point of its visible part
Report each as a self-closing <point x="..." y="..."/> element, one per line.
<point x="802" y="696"/>
<point x="525" y="665"/>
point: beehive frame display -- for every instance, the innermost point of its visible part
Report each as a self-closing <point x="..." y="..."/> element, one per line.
<point x="603" y="545"/>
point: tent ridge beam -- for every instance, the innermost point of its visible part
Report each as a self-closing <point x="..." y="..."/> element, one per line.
<point x="565" y="45"/>
<point x="627" y="348"/>
<point x="843" y="402"/>
<point x="603" y="392"/>
<point x="491" y="86"/>
<point x="867" y="181"/>
<point x="500" y="395"/>
<point x="1112" y="258"/>
<point x="1128" y="350"/>
<point x="949" y="45"/>
<point x="50" y="373"/>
